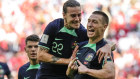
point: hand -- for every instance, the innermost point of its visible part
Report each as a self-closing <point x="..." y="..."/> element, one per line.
<point x="82" y="69"/>
<point x="105" y="52"/>
<point x="74" y="52"/>
<point x="72" y="67"/>
<point x="113" y="47"/>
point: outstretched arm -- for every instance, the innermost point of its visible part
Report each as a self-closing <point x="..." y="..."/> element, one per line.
<point x="107" y="72"/>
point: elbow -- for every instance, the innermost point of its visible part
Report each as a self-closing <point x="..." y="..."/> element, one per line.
<point x="110" y="75"/>
<point x="109" y="69"/>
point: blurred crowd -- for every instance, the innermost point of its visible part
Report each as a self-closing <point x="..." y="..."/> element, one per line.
<point x="20" y="18"/>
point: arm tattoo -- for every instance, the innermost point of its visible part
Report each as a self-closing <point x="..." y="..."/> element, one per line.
<point x="55" y="59"/>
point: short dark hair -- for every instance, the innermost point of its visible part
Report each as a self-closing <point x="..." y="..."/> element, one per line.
<point x="32" y="37"/>
<point x="70" y="3"/>
<point x="105" y="17"/>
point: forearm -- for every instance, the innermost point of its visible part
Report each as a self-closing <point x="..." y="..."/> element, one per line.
<point x="107" y="72"/>
<point x="44" y="56"/>
<point x="57" y="60"/>
<point x="101" y="74"/>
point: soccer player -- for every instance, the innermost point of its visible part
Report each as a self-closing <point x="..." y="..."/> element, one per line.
<point x="29" y="70"/>
<point x="58" y="41"/>
<point x="87" y="66"/>
<point x="4" y="70"/>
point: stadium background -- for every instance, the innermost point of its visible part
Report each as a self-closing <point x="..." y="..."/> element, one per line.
<point x="20" y="18"/>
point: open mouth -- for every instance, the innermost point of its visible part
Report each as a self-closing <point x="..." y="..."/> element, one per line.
<point x="91" y="30"/>
<point x="75" y="22"/>
<point x="33" y="54"/>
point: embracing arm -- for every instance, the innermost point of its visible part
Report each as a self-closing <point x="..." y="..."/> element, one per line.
<point x="105" y="51"/>
<point x="44" y="56"/>
<point x="111" y="44"/>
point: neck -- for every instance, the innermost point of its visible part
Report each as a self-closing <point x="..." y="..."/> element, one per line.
<point x="33" y="62"/>
<point x="95" y="40"/>
<point x="68" y="27"/>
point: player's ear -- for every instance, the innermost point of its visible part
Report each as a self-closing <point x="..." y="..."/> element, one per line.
<point x="24" y="48"/>
<point x="105" y="26"/>
<point x="64" y="15"/>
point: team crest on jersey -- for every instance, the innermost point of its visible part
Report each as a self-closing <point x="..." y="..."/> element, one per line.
<point x="89" y="57"/>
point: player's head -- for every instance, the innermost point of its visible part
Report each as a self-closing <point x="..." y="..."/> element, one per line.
<point x="31" y="47"/>
<point x="97" y="23"/>
<point x="72" y="14"/>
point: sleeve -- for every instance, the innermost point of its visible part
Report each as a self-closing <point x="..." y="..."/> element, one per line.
<point x="81" y="44"/>
<point x="20" y="74"/>
<point x="48" y="35"/>
<point x="6" y="68"/>
<point x="82" y="34"/>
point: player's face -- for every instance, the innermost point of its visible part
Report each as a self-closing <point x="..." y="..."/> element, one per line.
<point x="31" y="49"/>
<point x="95" y="26"/>
<point x="72" y="18"/>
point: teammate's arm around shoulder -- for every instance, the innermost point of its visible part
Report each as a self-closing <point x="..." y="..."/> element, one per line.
<point x="44" y="56"/>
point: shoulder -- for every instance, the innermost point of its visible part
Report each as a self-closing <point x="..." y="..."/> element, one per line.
<point x="57" y="22"/>
<point x="25" y="66"/>
<point x="81" y="28"/>
<point x="81" y="44"/>
<point x="4" y="65"/>
<point x="101" y="42"/>
<point x="82" y="33"/>
<point x="54" y="26"/>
